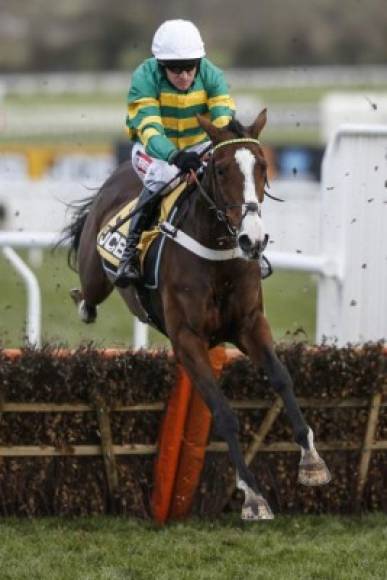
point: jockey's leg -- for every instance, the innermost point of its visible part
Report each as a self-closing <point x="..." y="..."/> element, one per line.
<point x="129" y="267"/>
<point x="154" y="173"/>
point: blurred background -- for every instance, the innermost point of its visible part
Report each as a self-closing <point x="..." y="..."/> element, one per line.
<point x="64" y="74"/>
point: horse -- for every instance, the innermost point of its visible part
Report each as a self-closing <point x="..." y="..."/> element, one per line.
<point x="202" y="302"/>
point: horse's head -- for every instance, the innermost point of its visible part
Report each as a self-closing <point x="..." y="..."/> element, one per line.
<point x="238" y="173"/>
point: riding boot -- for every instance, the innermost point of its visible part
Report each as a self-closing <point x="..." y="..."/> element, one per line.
<point x="129" y="269"/>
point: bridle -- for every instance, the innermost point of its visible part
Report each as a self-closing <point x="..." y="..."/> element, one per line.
<point x="221" y="213"/>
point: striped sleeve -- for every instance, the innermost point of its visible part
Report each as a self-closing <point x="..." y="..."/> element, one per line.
<point x="144" y="118"/>
<point x="220" y="104"/>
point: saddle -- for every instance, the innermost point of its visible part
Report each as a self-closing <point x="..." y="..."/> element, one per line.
<point x="111" y="240"/>
<point x="111" y="243"/>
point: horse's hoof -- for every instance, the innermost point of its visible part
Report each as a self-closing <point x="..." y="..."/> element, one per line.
<point x="256" y="508"/>
<point x="87" y="313"/>
<point x="311" y="474"/>
<point x="76" y="295"/>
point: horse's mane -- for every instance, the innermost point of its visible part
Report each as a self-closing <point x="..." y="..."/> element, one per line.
<point x="236" y="127"/>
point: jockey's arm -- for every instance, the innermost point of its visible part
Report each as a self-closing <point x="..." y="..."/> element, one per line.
<point x="220" y="104"/>
<point x="144" y="117"/>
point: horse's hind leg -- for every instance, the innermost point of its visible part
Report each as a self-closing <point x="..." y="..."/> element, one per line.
<point x="95" y="285"/>
<point x="87" y="312"/>
<point x="256" y="341"/>
<point x="192" y="352"/>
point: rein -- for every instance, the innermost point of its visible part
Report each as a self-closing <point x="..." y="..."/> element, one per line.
<point x="220" y="214"/>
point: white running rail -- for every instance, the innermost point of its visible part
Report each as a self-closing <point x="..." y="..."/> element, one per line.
<point x="281" y="260"/>
<point x="34" y="300"/>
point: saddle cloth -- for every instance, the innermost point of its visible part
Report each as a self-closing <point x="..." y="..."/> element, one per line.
<point x="111" y="242"/>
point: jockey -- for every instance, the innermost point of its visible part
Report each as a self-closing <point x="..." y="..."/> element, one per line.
<point x="166" y="94"/>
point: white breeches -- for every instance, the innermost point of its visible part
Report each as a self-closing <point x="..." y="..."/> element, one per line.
<point x="154" y="173"/>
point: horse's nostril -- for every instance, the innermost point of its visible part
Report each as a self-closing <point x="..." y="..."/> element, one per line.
<point x="244" y="242"/>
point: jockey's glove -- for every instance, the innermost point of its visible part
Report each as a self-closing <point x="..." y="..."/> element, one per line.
<point x="185" y="160"/>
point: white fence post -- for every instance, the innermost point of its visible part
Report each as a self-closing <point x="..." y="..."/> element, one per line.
<point x="34" y="300"/>
<point x="353" y="308"/>
<point x="140" y="335"/>
<point x="33" y="240"/>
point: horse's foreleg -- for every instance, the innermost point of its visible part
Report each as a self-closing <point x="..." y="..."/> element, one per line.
<point x="312" y="469"/>
<point x="192" y="352"/>
<point x="257" y="342"/>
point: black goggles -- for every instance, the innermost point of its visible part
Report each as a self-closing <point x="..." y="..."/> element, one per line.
<point x="178" y="66"/>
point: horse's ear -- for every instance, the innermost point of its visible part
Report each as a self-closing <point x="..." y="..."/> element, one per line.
<point x="259" y="123"/>
<point x="213" y="132"/>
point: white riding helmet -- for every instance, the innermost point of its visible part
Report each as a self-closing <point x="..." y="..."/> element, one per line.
<point x="177" y="40"/>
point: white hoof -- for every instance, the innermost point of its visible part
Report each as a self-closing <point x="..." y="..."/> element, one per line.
<point x="256" y="508"/>
<point x="312" y="470"/>
<point x="314" y="473"/>
<point x="87" y="314"/>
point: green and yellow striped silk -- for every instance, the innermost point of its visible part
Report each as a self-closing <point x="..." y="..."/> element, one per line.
<point x="164" y="118"/>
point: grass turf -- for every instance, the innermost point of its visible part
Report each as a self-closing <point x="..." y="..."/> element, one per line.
<point x="300" y="547"/>
<point x="289" y="299"/>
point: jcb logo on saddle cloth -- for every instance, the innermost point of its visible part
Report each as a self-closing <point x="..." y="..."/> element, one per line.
<point x="112" y="242"/>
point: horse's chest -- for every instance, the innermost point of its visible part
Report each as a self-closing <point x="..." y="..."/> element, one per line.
<point x="219" y="309"/>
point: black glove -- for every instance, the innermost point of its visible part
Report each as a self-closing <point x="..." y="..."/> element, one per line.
<point x="186" y="160"/>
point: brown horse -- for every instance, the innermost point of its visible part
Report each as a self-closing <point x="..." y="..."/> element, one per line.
<point x="209" y="296"/>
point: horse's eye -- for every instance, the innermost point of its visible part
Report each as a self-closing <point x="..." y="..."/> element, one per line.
<point x="220" y="170"/>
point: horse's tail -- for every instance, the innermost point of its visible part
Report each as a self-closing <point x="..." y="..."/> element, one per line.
<point x="72" y="232"/>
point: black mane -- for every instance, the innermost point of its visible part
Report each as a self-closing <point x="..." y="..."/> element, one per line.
<point x="236" y="127"/>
